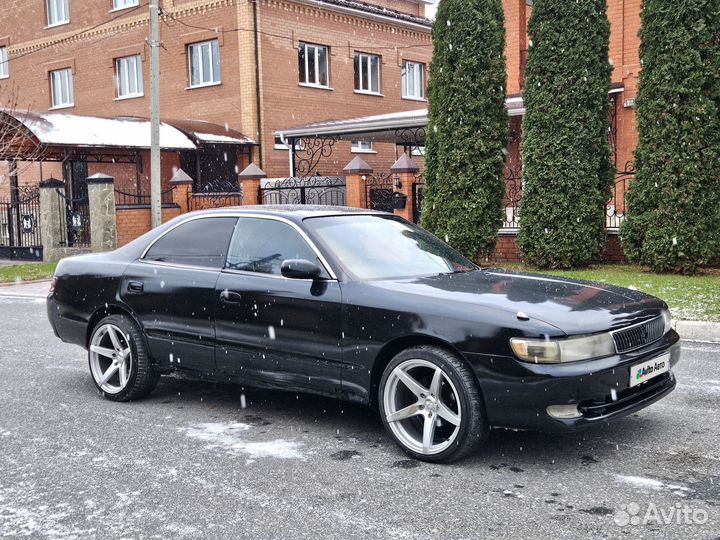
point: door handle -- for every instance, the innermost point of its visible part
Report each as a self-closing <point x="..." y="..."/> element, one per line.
<point x="135" y="287"/>
<point x="230" y="297"/>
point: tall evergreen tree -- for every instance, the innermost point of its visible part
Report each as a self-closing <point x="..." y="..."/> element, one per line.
<point x="467" y="126"/>
<point x="565" y="149"/>
<point x="673" y="221"/>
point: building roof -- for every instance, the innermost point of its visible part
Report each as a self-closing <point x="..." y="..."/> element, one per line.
<point x="69" y="130"/>
<point x="391" y="127"/>
<point x="399" y="127"/>
<point x="357" y="5"/>
<point x="200" y="131"/>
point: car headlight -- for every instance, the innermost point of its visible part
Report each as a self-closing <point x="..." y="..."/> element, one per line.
<point x="555" y="351"/>
<point x="667" y="319"/>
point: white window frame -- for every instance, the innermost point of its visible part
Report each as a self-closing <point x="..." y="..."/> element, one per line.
<point x="362" y="147"/>
<point x="316" y="60"/>
<point x="124" y="4"/>
<point x="129" y="65"/>
<point x="58" y="12"/>
<point x="416" y="71"/>
<point x="213" y="81"/>
<point x="279" y="145"/>
<point x="4" y="64"/>
<point x="63" y="77"/>
<point x="365" y="58"/>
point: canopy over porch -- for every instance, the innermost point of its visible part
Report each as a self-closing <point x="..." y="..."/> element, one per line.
<point x="401" y="128"/>
<point x="54" y="136"/>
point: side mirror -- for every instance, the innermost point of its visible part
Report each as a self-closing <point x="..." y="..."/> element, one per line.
<point x="300" y="269"/>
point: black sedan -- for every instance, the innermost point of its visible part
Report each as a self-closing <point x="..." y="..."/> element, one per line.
<point x="366" y="307"/>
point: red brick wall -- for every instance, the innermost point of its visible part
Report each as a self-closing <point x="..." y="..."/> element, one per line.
<point x="286" y="103"/>
<point x="507" y="250"/>
<point x="133" y="222"/>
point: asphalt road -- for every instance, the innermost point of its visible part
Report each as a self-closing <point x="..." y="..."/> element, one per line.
<point x="199" y="460"/>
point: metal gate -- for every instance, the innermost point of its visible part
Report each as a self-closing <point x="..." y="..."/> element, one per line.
<point x="77" y="219"/>
<point x="20" y="237"/>
<point x="321" y="190"/>
<point x="379" y="192"/>
<point x="418" y="188"/>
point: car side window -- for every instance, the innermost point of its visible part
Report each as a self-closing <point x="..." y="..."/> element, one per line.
<point x="201" y="242"/>
<point x="261" y="245"/>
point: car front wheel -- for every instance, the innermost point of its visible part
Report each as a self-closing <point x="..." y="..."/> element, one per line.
<point x="118" y="359"/>
<point x="431" y="405"/>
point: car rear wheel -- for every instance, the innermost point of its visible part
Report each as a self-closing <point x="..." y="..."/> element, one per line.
<point x="119" y="362"/>
<point x="431" y="405"/>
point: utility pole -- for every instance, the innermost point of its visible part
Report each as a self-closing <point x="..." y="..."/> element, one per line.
<point x="155" y="203"/>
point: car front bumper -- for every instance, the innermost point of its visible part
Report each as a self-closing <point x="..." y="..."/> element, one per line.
<point x="517" y="394"/>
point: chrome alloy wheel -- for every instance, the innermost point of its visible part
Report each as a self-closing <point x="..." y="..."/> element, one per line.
<point x="110" y="358"/>
<point x="422" y="407"/>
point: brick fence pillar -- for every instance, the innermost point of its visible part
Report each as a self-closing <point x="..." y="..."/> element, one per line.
<point x="103" y="220"/>
<point x="250" y="179"/>
<point x="183" y="184"/>
<point x="53" y="230"/>
<point x="403" y="172"/>
<point x="355" y="172"/>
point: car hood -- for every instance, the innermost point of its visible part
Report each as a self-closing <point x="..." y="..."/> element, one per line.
<point x="572" y="306"/>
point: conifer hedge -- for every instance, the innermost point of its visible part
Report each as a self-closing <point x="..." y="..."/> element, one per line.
<point x="467" y="126"/>
<point x="673" y="215"/>
<point x="565" y="149"/>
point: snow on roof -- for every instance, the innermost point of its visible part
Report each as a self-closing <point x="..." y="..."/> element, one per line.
<point x="60" y="129"/>
<point x="54" y="128"/>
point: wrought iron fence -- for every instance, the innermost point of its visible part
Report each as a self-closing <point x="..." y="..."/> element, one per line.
<point x="20" y="236"/>
<point x="125" y="198"/>
<point x="513" y="194"/>
<point x="216" y="195"/>
<point x="322" y="190"/>
<point x="379" y="192"/>
<point x="77" y="219"/>
<point x="616" y="207"/>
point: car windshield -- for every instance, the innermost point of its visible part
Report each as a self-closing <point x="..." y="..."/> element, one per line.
<point x="377" y="247"/>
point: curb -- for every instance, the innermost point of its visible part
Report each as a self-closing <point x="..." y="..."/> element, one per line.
<point x="698" y="331"/>
<point x="29" y="282"/>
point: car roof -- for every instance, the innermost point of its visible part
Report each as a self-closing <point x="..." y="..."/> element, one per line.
<point x="297" y="212"/>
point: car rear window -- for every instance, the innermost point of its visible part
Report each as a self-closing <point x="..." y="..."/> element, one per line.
<point x="200" y="242"/>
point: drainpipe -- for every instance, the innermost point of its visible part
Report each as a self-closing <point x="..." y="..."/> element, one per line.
<point x="256" y="25"/>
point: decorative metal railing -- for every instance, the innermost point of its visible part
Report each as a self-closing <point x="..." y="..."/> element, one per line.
<point x="126" y="198"/>
<point x="379" y="192"/>
<point x="324" y="190"/>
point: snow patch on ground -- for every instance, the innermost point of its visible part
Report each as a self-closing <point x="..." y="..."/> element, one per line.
<point x="650" y="483"/>
<point x="228" y="436"/>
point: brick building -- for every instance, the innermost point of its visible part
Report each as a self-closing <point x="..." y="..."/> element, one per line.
<point x="258" y="68"/>
<point x="251" y="66"/>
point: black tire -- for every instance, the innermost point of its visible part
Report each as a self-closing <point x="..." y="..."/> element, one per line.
<point x="143" y="377"/>
<point x="472" y="427"/>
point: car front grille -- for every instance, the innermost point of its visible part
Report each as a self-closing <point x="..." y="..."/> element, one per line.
<point x="638" y="335"/>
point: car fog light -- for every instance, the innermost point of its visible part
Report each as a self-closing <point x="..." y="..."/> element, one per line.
<point x="564" y="411"/>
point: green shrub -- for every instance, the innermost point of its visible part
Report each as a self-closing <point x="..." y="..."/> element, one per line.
<point x="673" y="221"/>
<point x="565" y="149"/>
<point x="467" y="126"/>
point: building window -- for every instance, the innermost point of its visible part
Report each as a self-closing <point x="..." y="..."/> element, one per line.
<point x="367" y="73"/>
<point x="204" y="61"/>
<point x="313" y="64"/>
<point x="4" y="65"/>
<point x="58" y="12"/>
<point x="128" y="73"/>
<point x="362" y="146"/>
<point x="61" y="87"/>
<point x="413" y="80"/>
<point x="122" y="4"/>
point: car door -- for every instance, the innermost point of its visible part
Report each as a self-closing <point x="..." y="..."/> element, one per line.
<point x="171" y="290"/>
<point x="274" y="331"/>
